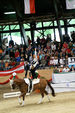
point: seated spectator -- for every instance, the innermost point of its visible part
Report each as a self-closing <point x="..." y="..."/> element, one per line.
<point x="43" y="62"/>
<point x="58" y="47"/>
<point x="66" y="60"/>
<point x="66" y="69"/>
<point x="22" y="52"/>
<point x="70" y="45"/>
<point x="1" y="51"/>
<point x="72" y="69"/>
<point x="48" y="45"/>
<point x="6" y="65"/>
<point x="41" y="54"/>
<point x="53" y="47"/>
<point x="65" y="45"/>
<point x="9" y="48"/>
<point x="68" y="50"/>
<point x="56" y="70"/>
<point x="63" y="50"/>
<point x="51" y="63"/>
<point x="47" y="57"/>
<point x="11" y="54"/>
<point x="61" y="69"/>
<point x="18" y="59"/>
<point x="39" y="47"/>
<point x="12" y="64"/>
<point x="61" y="62"/>
<point x="22" y="61"/>
<point x="73" y="50"/>
<point x="2" y="65"/>
<point x="55" y="61"/>
<point x="17" y="54"/>
<point x="74" y="44"/>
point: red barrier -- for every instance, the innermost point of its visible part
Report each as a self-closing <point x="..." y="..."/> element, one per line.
<point x="17" y="69"/>
<point x="7" y="81"/>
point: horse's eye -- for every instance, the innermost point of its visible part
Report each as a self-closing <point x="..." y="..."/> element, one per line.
<point x="13" y="86"/>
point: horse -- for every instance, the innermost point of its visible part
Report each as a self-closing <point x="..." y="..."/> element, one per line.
<point x="23" y="87"/>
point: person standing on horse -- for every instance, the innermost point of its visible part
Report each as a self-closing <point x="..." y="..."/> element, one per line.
<point x="34" y="65"/>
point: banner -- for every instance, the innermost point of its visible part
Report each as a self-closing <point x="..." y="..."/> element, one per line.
<point x="17" y="69"/>
<point x="65" y="77"/>
<point x="29" y="6"/>
<point x="70" y="4"/>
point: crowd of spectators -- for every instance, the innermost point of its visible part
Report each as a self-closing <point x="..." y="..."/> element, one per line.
<point x="64" y="69"/>
<point x="49" y="53"/>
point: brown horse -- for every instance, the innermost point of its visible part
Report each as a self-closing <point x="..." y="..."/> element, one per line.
<point x="23" y="87"/>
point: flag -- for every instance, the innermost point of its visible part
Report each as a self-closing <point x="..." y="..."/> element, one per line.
<point x="70" y="4"/>
<point x="29" y="6"/>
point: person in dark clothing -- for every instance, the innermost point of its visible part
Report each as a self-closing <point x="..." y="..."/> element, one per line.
<point x="26" y="66"/>
<point x="11" y="42"/>
<point x="11" y="54"/>
<point x="72" y="68"/>
<point x="33" y="72"/>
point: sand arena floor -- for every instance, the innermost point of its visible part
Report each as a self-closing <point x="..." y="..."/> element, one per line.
<point x="62" y="103"/>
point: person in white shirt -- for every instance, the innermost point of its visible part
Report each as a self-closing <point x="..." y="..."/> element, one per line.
<point x="53" y="46"/>
<point x="61" y="61"/>
<point x="55" y="61"/>
<point x="66" y="69"/>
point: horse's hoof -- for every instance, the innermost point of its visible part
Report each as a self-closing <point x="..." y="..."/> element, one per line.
<point x="39" y="102"/>
<point x="49" y="101"/>
<point x="20" y="103"/>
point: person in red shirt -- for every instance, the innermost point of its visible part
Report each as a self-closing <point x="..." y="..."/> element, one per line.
<point x="65" y="45"/>
<point x="68" y="49"/>
<point x="17" y="54"/>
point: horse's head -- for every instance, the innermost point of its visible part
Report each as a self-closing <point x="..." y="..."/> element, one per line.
<point x="12" y="84"/>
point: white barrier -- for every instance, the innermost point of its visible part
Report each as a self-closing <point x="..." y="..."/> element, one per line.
<point x="63" y="87"/>
<point x="12" y="94"/>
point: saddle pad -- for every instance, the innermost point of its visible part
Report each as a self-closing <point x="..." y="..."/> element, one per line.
<point x="27" y="81"/>
<point x="35" y="81"/>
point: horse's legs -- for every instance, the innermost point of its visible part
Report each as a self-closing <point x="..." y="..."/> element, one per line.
<point x="22" y="95"/>
<point x="47" y="95"/>
<point x="41" y="99"/>
<point x="23" y="100"/>
<point x="19" y="99"/>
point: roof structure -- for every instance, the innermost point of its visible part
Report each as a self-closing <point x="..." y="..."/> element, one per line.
<point x="45" y="10"/>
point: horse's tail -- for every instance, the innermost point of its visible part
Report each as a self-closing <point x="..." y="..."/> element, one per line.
<point x="53" y="92"/>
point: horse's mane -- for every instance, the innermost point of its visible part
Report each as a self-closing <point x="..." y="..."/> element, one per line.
<point x="18" y="81"/>
<point x="42" y="77"/>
